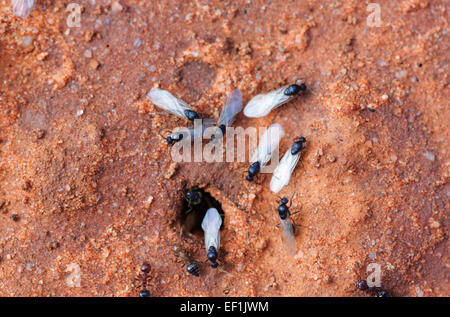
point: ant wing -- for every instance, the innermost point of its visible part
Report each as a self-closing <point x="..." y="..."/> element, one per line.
<point x="269" y="142"/>
<point x="22" y="8"/>
<point x="288" y="236"/>
<point x="211" y="224"/>
<point x="231" y="108"/>
<point x="166" y="101"/>
<point x="262" y="104"/>
<point x="282" y="173"/>
<point x="191" y="133"/>
<point x="207" y="123"/>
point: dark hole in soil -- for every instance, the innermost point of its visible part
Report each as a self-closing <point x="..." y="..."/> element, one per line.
<point x="196" y="202"/>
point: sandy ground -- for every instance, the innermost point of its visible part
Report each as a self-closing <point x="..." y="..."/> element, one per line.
<point x="88" y="190"/>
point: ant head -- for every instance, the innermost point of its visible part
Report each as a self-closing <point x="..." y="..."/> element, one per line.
<point x="170" y="140"/>
<point x="284" y="200"/>
<point x="191" y="115"/>
<point x="190" y="195"/>
<point x="193" y="194"/>
<point x="249" y="178"/>
<point x="214" y="264"/>
<point x="300" y="139"/>
<point x="302" y="87"/>
<point x="145" y="268"/>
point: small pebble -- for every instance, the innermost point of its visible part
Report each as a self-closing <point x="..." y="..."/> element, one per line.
<point x="27" y="40"/>
<point x="42" y="56"/>
<point x="88" y="53"/>
<point x="88" y="35"/>
<point x="430" y="156"/>
<point x="39" y="134"/>
<point x="116" y="7"/>
<point x="400" y="74"/>
<point x="137" y="43"/>
<point x="148" y="202"/>
<point x="434" y="224"/>
<point x="331" y="158"/>
<point x="94" y="64"/>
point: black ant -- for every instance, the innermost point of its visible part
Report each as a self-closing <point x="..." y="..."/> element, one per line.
<point x="377" y="291"/>
<point x="294" y="89"/>
<point x="194" y="198"/>
<point x="145" y="269"/>
<point x="212" y="257"/>
<point x="268" y="143"/>
<point x="253" y="170"/>
<point x="191" y="114"/>
<point x="288" y="226"/>
<point x="174" y="137"/>
<point x="192" y="267"/>
<point x="298" y="145"/>
<point x="283" y="209"/>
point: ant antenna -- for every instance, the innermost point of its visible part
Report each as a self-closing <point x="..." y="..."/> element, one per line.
<point x="223" y="271"/>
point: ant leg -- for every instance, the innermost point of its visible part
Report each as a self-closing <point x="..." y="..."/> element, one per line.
<point x="294" y="222"/>
<point x="190" y="209"/>
<point x="299" y="225"/>
<point x="221" y="269"/>
<point x="136" y="281"/>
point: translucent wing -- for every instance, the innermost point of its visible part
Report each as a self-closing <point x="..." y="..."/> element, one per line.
<point x="198" y="133"/>
<point x="268" y="144"/>
<point x="288" y="236"/>
<point x="261" y="105"/>
<point x="165" y="100"/>
<point x="22" y="8"/>
<point x="211" y="225"/>
<point x="207" y="123"/>
<point x="190" y="133"/>
<point x="282" y="173"/>
<point x="231" y="108"/>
